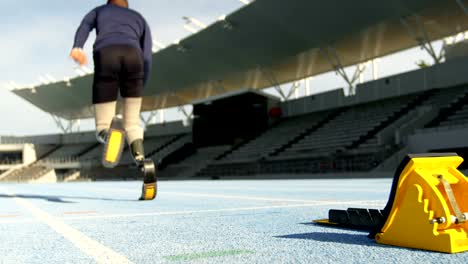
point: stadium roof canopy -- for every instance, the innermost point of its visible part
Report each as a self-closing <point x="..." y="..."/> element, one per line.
<point x="270" y="42"/>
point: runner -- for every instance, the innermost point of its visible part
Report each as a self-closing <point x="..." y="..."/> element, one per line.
<point x="122" y="61"/>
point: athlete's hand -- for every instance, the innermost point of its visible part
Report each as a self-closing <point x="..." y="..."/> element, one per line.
<point x="79" y="56"/>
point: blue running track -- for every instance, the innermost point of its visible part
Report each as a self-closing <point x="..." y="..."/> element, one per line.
<point x="257" y="221"/>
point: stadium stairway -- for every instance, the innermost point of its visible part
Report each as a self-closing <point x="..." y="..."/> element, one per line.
<point x="246" y="143"/>
<point x="48" y="153"/>
<point x="166" y="144"/>
<point x="458" y="118"/>
<point x="193" y="164"/>
<point x="29" y="172"/>
<point x="88" y="149"/>
<point x="69" y="151"/>
<point x="169" y="147"/>
<point x="71" y="176"/>
<point x="456" y="106"/>
<point x="308" y="131"/>
<point x="419" y="100"/>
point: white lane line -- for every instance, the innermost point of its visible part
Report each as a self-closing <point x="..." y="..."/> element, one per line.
<point x="221" y="196"/>
<point x="253" y="198"/>
<point x="94" y="249"/>
<point x="256" y="208"/>
<point x="371" y="189"/>
<point x="190" y="212"/>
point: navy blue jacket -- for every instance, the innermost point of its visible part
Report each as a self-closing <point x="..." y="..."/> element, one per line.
<point x="117" y="25"/>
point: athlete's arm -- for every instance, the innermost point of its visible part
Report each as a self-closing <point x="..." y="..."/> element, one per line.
<point x="147" y="45"/>
<point x="87" y="25"/>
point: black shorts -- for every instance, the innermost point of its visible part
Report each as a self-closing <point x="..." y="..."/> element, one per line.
<point x="117" y="66"/>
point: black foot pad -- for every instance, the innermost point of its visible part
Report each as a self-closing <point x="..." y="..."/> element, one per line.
<point x="354" y="218"/>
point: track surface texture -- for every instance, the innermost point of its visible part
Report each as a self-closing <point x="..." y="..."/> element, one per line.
<point x="255" y="221"/>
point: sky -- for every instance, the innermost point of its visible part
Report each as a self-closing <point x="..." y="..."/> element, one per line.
<point x="37" y="39"/>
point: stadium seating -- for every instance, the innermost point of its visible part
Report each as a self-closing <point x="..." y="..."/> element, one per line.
<point x="8" y="161"/>
<point x="458" y="118"/>
<point x="26" y="174"/>
<point x="451" y="102"/>
<point x="274" y="138"/>
<point x="174" y="143"/>
<point x="348" y="127"/>
<point x="352" y="137"/>
<point x="458" y="109"/>
<point x="349" y="142"/>
<point x="68" y="151"/>
<point x="195" y="163"/>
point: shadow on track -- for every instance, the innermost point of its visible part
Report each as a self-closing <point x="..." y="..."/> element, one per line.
<point x="60" y="199"/>
<point x="341" y="238"/>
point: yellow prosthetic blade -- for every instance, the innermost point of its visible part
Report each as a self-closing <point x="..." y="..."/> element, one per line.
<point x="148" y="192"/>
<point x="114" y="147"/>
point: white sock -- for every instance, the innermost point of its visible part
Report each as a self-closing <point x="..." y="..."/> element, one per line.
<point x="104" y="113"/>
<point x="131" y="117"/>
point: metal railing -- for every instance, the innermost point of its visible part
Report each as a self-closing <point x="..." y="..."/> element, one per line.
<point x="11" y="162"/>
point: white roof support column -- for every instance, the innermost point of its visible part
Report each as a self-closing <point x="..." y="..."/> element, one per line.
<point x="375" y="69"/>
<point x="270" y="77"/>
<point x="333" y="58"/>
<point x="188" y="116"/>
<point x="419" y="32"/>
<point x="307" y="82"/>
<point x="147" y="121"/>
<point x="294" y="90"/>
<point x="361" y="71"/>
<point x="67" y="126"/>
<point x="279" y="89"/>
<point x="78" y="125"/>
<point x="162" y="116"/>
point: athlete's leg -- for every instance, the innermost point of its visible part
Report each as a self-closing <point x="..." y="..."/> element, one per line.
<point x="104" y="113"/>
<point x="131" y="116"/>
<point x="131" y="85"/>
<point x="131" y="88"/>
<point x="105" y="88"/>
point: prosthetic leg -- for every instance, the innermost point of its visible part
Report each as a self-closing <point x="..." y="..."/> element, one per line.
<point x="114" y="143"/>
<point x="114" y="134"/>
<point x="147" y="169"/>
<point x="113" y="152"/>
<point x="131" y="112"/>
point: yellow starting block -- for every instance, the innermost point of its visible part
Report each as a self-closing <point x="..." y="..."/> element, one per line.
<point x="114" y="144"/>
<point x="430" y="205"/>
<point x="427" y="208"/>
